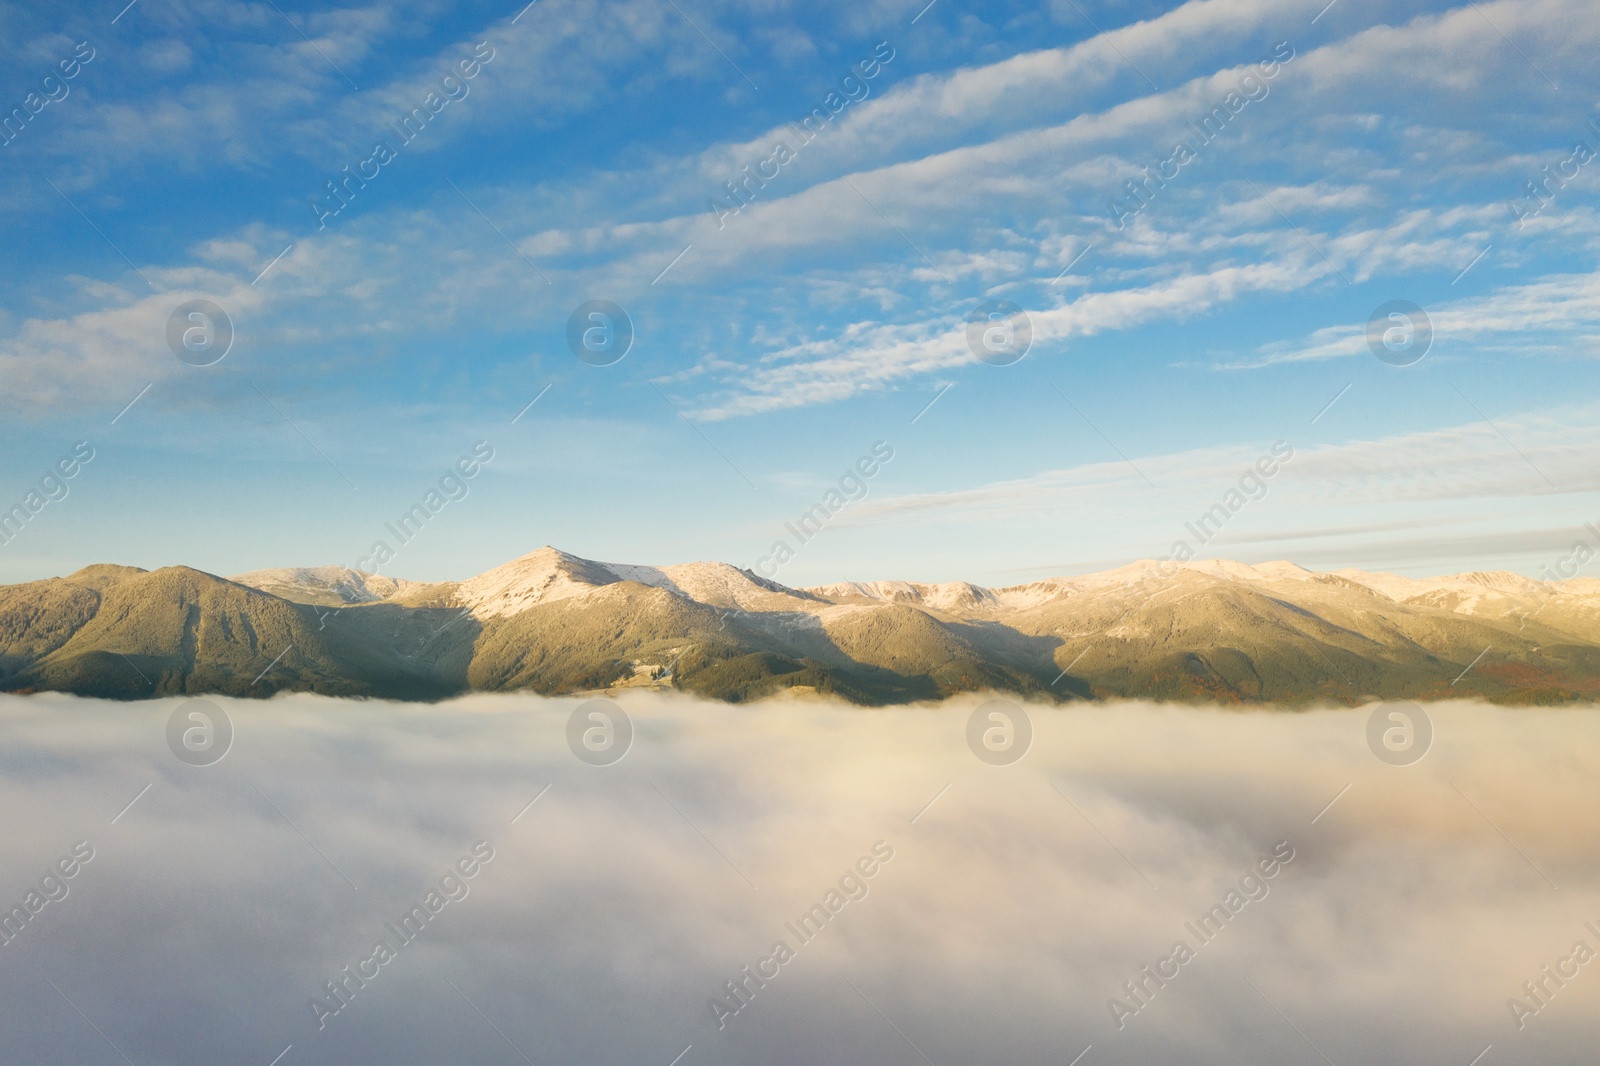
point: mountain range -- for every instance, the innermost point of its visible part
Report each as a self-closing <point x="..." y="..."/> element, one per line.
<point x="554" y="623"/>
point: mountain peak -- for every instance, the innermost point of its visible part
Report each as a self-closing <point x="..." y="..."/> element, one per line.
<point x="100" y="576"/>
<point x="541" y="576"/>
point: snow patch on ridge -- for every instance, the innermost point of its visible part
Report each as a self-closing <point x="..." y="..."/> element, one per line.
<point x="330" y="583"/>
<point x="950" y="596"/>
<point x="548" y="575"/>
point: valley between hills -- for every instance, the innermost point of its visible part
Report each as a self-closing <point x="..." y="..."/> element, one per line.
<point x="555" y="624"/>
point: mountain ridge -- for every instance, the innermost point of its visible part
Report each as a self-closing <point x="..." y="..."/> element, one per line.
<point x="555" y="623"/>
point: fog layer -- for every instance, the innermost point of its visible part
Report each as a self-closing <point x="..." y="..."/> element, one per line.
<point x="968" y="912"/>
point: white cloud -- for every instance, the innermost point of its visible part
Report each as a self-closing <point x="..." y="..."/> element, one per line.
<point x="1470" y="461"/>
<point x="1023" y="894"/>
<point x="1001" y="214"/>
<point x="1557" y="313"/>
<point x="104" y="356"/>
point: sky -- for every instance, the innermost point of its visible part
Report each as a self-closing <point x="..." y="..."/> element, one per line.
<point x="1302" y="172"/>
<point x="1015" y="904"/>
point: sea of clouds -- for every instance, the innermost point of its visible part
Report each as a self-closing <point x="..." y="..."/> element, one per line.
<point x="1019" y="902"/>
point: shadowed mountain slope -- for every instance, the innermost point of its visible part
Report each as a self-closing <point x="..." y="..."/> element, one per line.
<point x="121" y="632"/>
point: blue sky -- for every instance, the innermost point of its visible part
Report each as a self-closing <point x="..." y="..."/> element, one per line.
<point x="1376" y="159"/>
